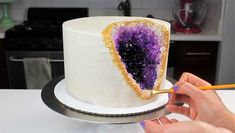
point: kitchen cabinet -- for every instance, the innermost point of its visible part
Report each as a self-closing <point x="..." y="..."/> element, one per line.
<point x="3" y="67"/>
<point x="197" y="57"/>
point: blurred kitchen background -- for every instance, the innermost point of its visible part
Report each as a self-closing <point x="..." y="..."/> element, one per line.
<point x="37" y="33"/>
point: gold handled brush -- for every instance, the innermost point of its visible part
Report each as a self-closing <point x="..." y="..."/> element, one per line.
<point x="215" y="87"/>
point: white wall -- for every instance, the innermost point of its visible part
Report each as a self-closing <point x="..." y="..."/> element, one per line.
<point x="159" y="8"/>
<point x="226" y="69"/>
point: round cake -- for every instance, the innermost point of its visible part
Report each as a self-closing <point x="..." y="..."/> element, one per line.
<point x="115" y="61"/>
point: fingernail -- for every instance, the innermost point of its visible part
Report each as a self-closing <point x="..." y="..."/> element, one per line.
<point x="142" y="124"/>
<point x="176" y="88"/>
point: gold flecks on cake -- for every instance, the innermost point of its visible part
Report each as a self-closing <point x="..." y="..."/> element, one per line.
<point x="163" y="37"/>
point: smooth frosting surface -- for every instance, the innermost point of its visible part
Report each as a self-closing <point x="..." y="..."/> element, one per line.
<point x="90" y="73"/>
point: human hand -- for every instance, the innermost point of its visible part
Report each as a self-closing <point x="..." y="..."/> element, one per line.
<point x="164" y="125"/>
<point x="203" y="106"/>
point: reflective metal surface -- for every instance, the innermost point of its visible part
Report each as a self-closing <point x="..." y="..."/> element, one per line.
<point x="51" y="101"/>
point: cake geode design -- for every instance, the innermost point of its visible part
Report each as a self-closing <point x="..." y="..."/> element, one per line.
<point x="139" y="49"/>
<point x="115" y="61"/>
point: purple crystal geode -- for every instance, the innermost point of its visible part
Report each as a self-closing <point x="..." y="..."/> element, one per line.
<point x="139" y="49"/>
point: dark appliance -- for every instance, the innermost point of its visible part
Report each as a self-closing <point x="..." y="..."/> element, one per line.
<point x="125" y="6"/>
<point x="39" y="36"/>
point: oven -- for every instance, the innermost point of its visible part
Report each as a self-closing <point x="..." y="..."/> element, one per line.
<point x="15" y="65"/>
<point x="39" y="36"/>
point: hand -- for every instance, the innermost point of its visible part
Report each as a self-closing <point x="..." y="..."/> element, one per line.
<point x="203" y="106"/>
<point x="164" y="125"/>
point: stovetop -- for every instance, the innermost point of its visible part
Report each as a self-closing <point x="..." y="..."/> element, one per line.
<point x="36" y="28"/>
<point x="42" y="30"/>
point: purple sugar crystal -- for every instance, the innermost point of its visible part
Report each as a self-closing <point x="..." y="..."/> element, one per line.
<point x="139" y="48"/>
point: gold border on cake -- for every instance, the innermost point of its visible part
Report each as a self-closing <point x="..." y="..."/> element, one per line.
<point x="110" y="44"/>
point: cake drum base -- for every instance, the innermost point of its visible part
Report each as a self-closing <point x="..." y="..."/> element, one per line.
<point x="124" y="121"/>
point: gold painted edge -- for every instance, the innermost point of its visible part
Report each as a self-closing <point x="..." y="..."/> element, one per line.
<point x="110" y="44"/>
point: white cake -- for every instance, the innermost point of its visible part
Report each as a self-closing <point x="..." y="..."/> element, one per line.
<point x="114" y="61"/>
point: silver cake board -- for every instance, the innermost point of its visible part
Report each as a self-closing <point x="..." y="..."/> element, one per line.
<point x="49" y="98"/>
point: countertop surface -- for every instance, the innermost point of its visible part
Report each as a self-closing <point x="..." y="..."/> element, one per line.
<point x="205" y="35"/>
<point x="23" y="111"/>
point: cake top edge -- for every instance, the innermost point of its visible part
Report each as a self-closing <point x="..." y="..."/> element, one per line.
<point x="98" y="23"/>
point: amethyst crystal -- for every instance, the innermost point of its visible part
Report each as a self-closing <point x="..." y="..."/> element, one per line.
<point x="139" y="49"/>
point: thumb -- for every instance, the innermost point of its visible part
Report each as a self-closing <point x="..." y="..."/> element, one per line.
<point x="150" y="126"/>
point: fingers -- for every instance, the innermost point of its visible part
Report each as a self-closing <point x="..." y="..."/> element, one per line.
<point x="179" y="127"/>
<point x="194" y="80"/>
<point x="184" y="93"/>
<point x="162" y="121"/>
<point x="152" y="126"/>
<point x="182" y="99"/>
<point x="157" y="121"/>
<point x="187" y="127"/>
<point x="188" y="89"/>
<point x="178" y="109"/>
<point x="187" y="85"/>
<point x="224" y="130"/>
<point x="184" y="127"/>
<point x="174" y="120"/>
<point x="174" y="99"/>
